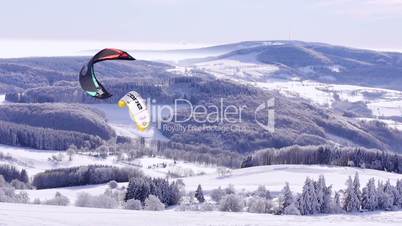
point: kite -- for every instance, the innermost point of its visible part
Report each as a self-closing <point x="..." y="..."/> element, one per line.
<point x="137" y="109"/>
<point x="88" y="80"/>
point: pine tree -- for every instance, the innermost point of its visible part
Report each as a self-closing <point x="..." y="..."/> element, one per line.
<point x="286" y="197"/>
<point x="351" y="199"/>
<point x="328" y="201"/>
<point x="337" y="208"/>
<point x="391" y="194"/>
<point x="309" y="201"/>
<point x="24" y="176"/>
<point x="199" y="195"/>
<point x="319" y="190"/>
<point x="324" y="196"/>
<point x="382" y="196"/>
<point x="399" y="189"/>
<point x="138" y="188"/>
<point x="357" y="191"/>
<point x="370" y="196"/>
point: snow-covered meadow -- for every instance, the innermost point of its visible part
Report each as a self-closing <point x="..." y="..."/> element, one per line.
<point x="27" y="215"/>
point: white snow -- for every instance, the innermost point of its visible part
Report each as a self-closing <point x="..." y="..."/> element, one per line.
<point x="233" y="68"/>
<point x="386" y="107"/>
<point x="248" y="179"/>
<point x="35" y="161"/>
<point x="27" y="215"/>
<point x="2" y="99"/>
<point x="390" y="123"/>
<point x="151" y="166"/>
<point x="275" y="176"/>
<point x="180" y="167"/>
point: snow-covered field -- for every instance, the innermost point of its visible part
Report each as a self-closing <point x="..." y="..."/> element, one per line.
<point x="248" y="179"/>
<point x="275" y="176"/>
<point x="27" y="215"/>
<point x="35" y="161"/>
<point x="151" y="166"/>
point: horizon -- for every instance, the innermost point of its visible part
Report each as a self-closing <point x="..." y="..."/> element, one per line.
<point x="63" y="48"/>
<point x="366" y="24"/>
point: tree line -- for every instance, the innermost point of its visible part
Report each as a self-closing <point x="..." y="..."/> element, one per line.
<point x="10" y="173"/>
<point x="44" y="138"/>
<point x="317" y="198"/>
<point x="140" y="188"/>
<point x="327" y="155"/>
<point x="83" y="175"/>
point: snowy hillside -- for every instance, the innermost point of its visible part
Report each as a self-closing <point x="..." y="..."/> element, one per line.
<point x="319" y="80"/>
<point x="27" y="215"/>
<point x="275" y="176"/>
<point x="248" y="179"/>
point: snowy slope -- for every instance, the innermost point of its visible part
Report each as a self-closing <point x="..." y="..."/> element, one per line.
<point x="247" y="69"/>
<point x="35" y="161"/>
<point x="151" y="166"/>
<point x="27" y="215"/>
<point x="275" y="176"/>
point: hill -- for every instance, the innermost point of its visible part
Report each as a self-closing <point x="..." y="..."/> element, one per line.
<point x="319" y="62"/>
<point x="52" y="126"/>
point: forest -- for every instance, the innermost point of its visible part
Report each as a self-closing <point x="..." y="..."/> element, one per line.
<point x="327" y="155"/>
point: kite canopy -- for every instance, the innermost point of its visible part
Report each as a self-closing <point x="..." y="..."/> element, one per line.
<point x="137" y="109"/>
<point x="88" y="80"/>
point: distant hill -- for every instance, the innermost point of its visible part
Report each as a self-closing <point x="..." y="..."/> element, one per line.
<point x="52" y="126"/>
<point x="24" y="73"/>
<point x="319" y="62"/>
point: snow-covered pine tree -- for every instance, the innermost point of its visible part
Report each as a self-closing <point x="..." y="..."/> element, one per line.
<point x="328" y="201"/>
<point x="138" y="188"/>
<point x="286" y="197"/>
<point x="382" y="197"/>
<point x="399" y="189"/>
<point x="309" y="202"/>
<point x="199" y="195"/>
<point x="370" y="196"/>
<point x="391" y="193"/>
<point x="337" y="207"/>
<point x="356" y="187"/>
<point x="324" y="196"/>
<point x="299" y="203"/>
<point x="24" y="176"/>
<point x="351" y="201"/>
<point x="319" y="190"/>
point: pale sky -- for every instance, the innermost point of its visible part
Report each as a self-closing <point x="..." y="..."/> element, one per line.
<point x="375" y="24"/>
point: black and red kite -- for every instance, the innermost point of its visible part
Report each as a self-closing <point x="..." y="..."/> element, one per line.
<point x="88" y="80"/>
